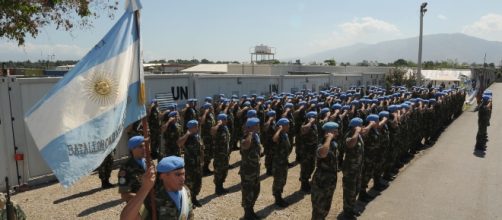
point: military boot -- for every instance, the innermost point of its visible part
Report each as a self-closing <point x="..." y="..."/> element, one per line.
<point x="220" y="190"/>
<point x="249" y="214"/>
<point x="279" y="201"/>
<point x="206" y="171"/>
<point x="105" y="184"/>
<point x="349" y="215"/>
<point x="195" y="202"/>
<point x="364" y="196"/>
<point x="305" y="187"/>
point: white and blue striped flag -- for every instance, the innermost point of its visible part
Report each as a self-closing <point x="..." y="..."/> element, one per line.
<point x="80" y="121"/>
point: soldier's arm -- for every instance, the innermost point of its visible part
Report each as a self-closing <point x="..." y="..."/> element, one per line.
<point x="285" y="114"/>
<point x="132" y="209"/>
<point x="246" y="142"/>
<point x="127" y="196"/>
<point x="214" y="129"/>
<point x="203" y="117"/>
<point x="382" y="122"/>
<point x="352" y="141"/>
<point x="305" y="128"/>
<point x="240" y="111"/>
<point x="183" y="139"/>
<point x="276" y="138"/>
<point x="322" y="152"/>
<point x="366" y="129"/>
<point x="298" y="110"/>
<point x="164" y="126"/>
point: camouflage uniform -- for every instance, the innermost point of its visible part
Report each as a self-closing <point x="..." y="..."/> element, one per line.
<point x="484" y="114"/>
<point x="250" y="173"/>
<point x="310" y="143"/>
<point x="299" y="145"/>
<point x="324" y="182"/>
<point x="166" y="208"/>
<point x="207" y="139"/>
<point x="371" y="151"/>
<point x="154" y="125"/>
<point x="292" y="131"/>
<point x="267" y="145"/>
<point x="15" y="211"/>
<point x="193" y="164"/>
<point x="280" y="166"/>
<point x="382" y="153"/>
<point x="172" y="133"/>
<point x="221" y="154"/>
<point x="352" y="167"/>
<point x="130" y="174"/>
<point x="106" y="167"/>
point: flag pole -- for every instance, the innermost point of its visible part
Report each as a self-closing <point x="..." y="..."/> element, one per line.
<point x="144" y="121"/>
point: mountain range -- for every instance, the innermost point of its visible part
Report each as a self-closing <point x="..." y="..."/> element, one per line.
<point x="437" y="47"/>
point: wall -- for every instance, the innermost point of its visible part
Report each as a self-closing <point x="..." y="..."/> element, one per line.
<point x="179" y="87"/>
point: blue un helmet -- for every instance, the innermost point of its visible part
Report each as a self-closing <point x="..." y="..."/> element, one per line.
<point x="222" y="117"/>
<point x="384" y="114"/>
<point x="330" y="126"/>
<point x="373" y="117"/>
<point x="271" y="113"/>
<point x="355" y="122"/>
<point x="324" y="111"/>
<point x="282" y="122"/>
<point x="192" y="123"/>
<point x="311" y="114"/>
<point x="251" y="113"/>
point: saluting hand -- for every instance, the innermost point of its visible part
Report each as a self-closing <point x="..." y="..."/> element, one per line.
<point x="148" y="179"/>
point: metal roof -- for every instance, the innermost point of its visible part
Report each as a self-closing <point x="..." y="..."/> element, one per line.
<point x="207" y="68"/>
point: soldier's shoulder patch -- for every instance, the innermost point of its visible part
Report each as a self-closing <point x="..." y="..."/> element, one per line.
<point x="122" y="173"/>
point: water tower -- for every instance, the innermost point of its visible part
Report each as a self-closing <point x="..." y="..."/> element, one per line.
<point x="262" y="54"/>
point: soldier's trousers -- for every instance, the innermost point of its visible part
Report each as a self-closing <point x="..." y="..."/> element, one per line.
<point x="155" y="144"/>
<point x="299" y="149"/>
<point x="269" y="160"/>
<point x="280" y="173"/>
<point x="291" y="137"/>
<point x="351" y="187"/>
<point x="380" y="162"/>
<point x="307" y="164"/>
<point x="369" y="165"/>
<point x="193" y="178"/>
<point x="323" y="187"/>
<point x="482" y="135"/>
<point x="250" y="190"/>
<point x="220" y="165"/>
<point x="105" y="169"/>
<point x="208" y="150"/>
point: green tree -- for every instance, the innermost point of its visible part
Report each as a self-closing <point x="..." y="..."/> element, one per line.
<point x="330" y="62"/>
<point x="398" y="76"/>
<point x="21" y="17"/>
<point x="400" y="62"/>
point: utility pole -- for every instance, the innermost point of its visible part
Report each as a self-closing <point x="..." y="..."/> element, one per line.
<point x="419" y="65"/>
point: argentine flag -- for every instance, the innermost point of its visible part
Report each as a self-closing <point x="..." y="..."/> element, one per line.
<point x="80" y="121"/>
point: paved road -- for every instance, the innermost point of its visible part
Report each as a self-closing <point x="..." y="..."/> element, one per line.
<point x="448" y="181"/>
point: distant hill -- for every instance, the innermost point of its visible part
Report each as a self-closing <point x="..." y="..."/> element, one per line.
<point x="436" y="47"/>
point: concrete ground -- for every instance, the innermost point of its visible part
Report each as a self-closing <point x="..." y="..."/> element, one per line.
<point x="448" y="181"/>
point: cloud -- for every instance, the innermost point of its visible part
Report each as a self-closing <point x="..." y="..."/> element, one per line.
<point x="365" y="29"/>
<point x="487" y="27"/>
<point x="31" y="51"/>
<point x="442" y="17"/>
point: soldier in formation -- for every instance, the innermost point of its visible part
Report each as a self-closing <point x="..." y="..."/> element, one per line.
<point x="367" y="133"/>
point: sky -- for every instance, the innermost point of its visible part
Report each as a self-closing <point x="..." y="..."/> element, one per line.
<point x="226" y="30"/>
